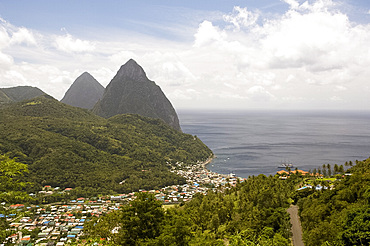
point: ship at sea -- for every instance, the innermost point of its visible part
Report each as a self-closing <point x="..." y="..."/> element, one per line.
<point x="285" y="165"/>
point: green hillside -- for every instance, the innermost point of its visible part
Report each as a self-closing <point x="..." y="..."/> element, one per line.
<point x="71" y="147"/>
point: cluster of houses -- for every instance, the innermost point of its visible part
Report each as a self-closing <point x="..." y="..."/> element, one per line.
<point x="198" y="174"/>
<point x="54" y="224"/>
<point x="198" y="180"/>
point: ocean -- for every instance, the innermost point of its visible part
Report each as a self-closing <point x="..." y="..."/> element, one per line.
<point x="250" y="143"/>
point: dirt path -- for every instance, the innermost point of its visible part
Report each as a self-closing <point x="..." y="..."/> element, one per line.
<point x="296" y="225"/>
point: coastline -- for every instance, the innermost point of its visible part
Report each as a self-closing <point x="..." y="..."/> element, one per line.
<point x="204" y="164"/>
<point x="208" y="161"/>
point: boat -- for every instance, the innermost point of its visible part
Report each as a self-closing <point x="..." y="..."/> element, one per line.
<point x="285" y="165"/>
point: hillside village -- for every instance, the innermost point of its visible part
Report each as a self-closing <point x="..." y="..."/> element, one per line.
<point x="57" y="224"/>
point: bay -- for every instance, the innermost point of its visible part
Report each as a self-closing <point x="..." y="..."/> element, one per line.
<point x="256" y="142"/>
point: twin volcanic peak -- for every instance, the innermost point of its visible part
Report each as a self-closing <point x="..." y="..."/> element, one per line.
<point x="131" y="92"/>
<point x="85" y="92"/>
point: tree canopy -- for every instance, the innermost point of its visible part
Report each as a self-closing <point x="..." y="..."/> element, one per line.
<point x="341" y="215"/>
<point x="10" y="185"/>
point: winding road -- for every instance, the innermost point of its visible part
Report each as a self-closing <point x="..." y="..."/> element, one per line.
<point x="296" y="225"/>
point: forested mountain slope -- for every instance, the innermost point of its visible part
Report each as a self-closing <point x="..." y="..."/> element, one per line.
<point x="71" y="147"/>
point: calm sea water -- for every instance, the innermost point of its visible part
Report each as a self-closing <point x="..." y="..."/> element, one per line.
<point x="251" y="143"/>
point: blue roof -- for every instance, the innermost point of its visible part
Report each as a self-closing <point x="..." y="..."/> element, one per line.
<point x="2" y="216"/>
<point x="71" y="235"/>
<point x="79" y="227"/>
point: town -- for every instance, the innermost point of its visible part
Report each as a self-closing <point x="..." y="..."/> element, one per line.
<point x="60" y="224"/>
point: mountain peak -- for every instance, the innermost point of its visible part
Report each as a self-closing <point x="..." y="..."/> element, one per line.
<point x="84" y="92"/>
<point x="85" y="74"/>
<point x="131" y="92"/>
<point x="131" y="69"/>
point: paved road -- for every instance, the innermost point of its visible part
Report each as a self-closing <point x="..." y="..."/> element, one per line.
<point x="296" y="225"/>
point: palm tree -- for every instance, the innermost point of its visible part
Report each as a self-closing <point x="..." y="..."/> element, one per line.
<point x="324" y="170"/>
<point x="336" y="168"/>
<point x="341" y="169"/>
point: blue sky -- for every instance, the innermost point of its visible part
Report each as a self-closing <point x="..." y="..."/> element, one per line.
<point x="254" y="54"/>
<point x="136" y="16"/>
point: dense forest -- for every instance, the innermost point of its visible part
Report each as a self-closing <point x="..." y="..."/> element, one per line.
<point x="66" y="146"/>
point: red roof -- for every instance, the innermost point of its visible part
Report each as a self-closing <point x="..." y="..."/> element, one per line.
<point x="17" y="206"/>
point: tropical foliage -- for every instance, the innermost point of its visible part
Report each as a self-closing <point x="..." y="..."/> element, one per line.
<point x="339" y="216"/>
<point x="10" y="186"/>
<point x="70" y="147"/>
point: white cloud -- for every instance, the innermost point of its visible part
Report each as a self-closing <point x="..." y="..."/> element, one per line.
<point x="335" y="98"/>
<point x="23" y="36"/>
<point x="5" y="61"/>
<point x="340" y="88"/>
<point x="69" y="44"/>
<point x="15" y="77"/>
<point x="230" y="86"/>
<point x="103" y="75"/>
<point x="121" y="57"/>
<point x="4" y="38"/>
<point x="187" y="95"/>
<point x="292" y="3"/>
<point x="259" y="93"/>
<point x="241" y="17"/>
<point x="316" y="40"/>
<point x="207" y="34"/>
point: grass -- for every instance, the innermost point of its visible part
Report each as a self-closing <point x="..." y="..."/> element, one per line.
<point x="310" y="181"/>
<point x="167" y="206"/>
